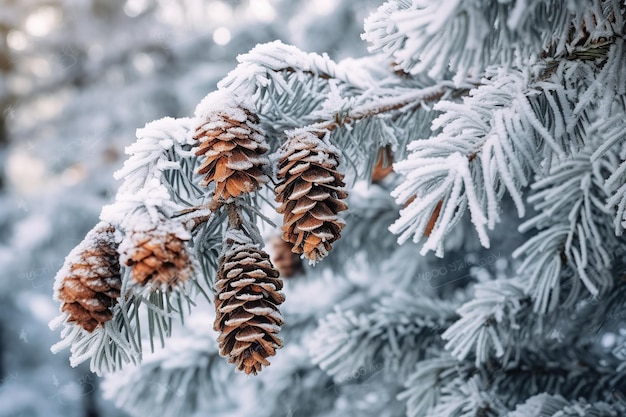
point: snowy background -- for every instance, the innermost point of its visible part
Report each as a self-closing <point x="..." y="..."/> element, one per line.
<point x="77" y="77"/>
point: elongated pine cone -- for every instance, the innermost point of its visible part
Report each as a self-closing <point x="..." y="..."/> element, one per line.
<point x="310" y="191"/>
<point x="233" y="146"/>
<point x="246" y="303"/>
<point x="88" y="284"/>
<point x="158" y="255"/>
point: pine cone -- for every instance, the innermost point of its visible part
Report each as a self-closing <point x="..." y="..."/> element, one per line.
<point x="157" y="255"/>
<point x="246" y="304"/>
<point x="233" y="146"/>
<point x="310" y="192"/>
<point x="284" y="259"/>
<point x="90" y="280"/>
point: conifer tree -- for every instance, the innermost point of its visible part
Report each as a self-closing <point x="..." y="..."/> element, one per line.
<point x="484" y="275"/>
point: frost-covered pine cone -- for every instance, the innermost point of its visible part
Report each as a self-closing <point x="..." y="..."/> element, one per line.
<point x="246" y="304"/>
<point x="233" y="146"/>
<point x="158" y="255"/>
<point x="88" y="284"/>
<point x="310" y="191"/>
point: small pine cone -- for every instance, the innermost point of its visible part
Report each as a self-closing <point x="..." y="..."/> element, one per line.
<point x="89" y="283"/>
<point x="284" y="259"/>
<point x="157" y="256"/>
<point x="310" y="191"/>
<point x="383" y="165"/>
<point x="233" y="146"/>
<point x="246" y="303"/>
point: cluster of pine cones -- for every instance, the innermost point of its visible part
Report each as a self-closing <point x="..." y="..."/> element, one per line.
<point x="92" y="274"/>
<point x="232" y="151"/>
<point x="310" y="192"/>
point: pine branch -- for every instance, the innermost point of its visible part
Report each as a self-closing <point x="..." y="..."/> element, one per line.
<point x="441" y="388"/>
<point x="546" y="405"/>
<point x="505" y="127"/>
<point x="575" y="237"/>
<point x="393" y="337"/>
<point x="487" y="146"/>
<point x="423" y="386"/>
<point x="159" y="174"/>
<point x="460" y="40"/>
<point x="371" y="211"/>
<point x="489" y="322"/>
<point x="179" y="380"/>
<point x="288" y="85"/>
<point x="467" y="398"/>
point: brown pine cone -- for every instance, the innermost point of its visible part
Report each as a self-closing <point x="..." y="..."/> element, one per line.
<point x="246" y="303"/>
<point x="233" y="146"/>
<point x="310" y="191"/>
<point x="90" y="280"/>
<point x="284" y="259"/>
<point x="157" y="256"/>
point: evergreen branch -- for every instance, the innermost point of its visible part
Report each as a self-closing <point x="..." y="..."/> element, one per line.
<point x="567" y="230"/>
<point x="556" y="371"/>
<point x="371" y="212"/>
<point x="499" y="130"/>
<point x="441" y="389"/>
<point x="178" y="380"/>
<point x="487" y="146"/>
<point x="393" y="337"/>
<point x="467" y="38"/>
<point x="376" y="106"/>
<point x="467" y="398"/>
<point x="547" y="405"/>
<point x="488" y="322"/>
<point x="423" y="387"/>
<point x="157" y="176"/>
<point x="288" y="85"/>
<point x="615" y="185"/>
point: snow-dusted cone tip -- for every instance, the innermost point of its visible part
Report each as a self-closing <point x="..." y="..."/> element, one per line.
<point x="158" y="255"/>
<point x="246" y="303"/>
<point x="310" y="191"/>
<point x="233" y="146"/>
<point x="89" y="282"/>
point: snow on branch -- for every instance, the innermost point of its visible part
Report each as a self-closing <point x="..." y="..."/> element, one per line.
<point x="158" y="175"/>
<point x="464" y="37"/>
<point x="488" y="322"/>
<point x="547" y="405"/>
<point x="394" y="336"/>
<point x="574" y="231"/>
<point x="613" y="132"/>
<point x="288" y="85"/>
<point x="471" y="397"/>
<point x="423" y="387"/>
<point x="487" y="146"/>
<point x="177" y="380"/>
